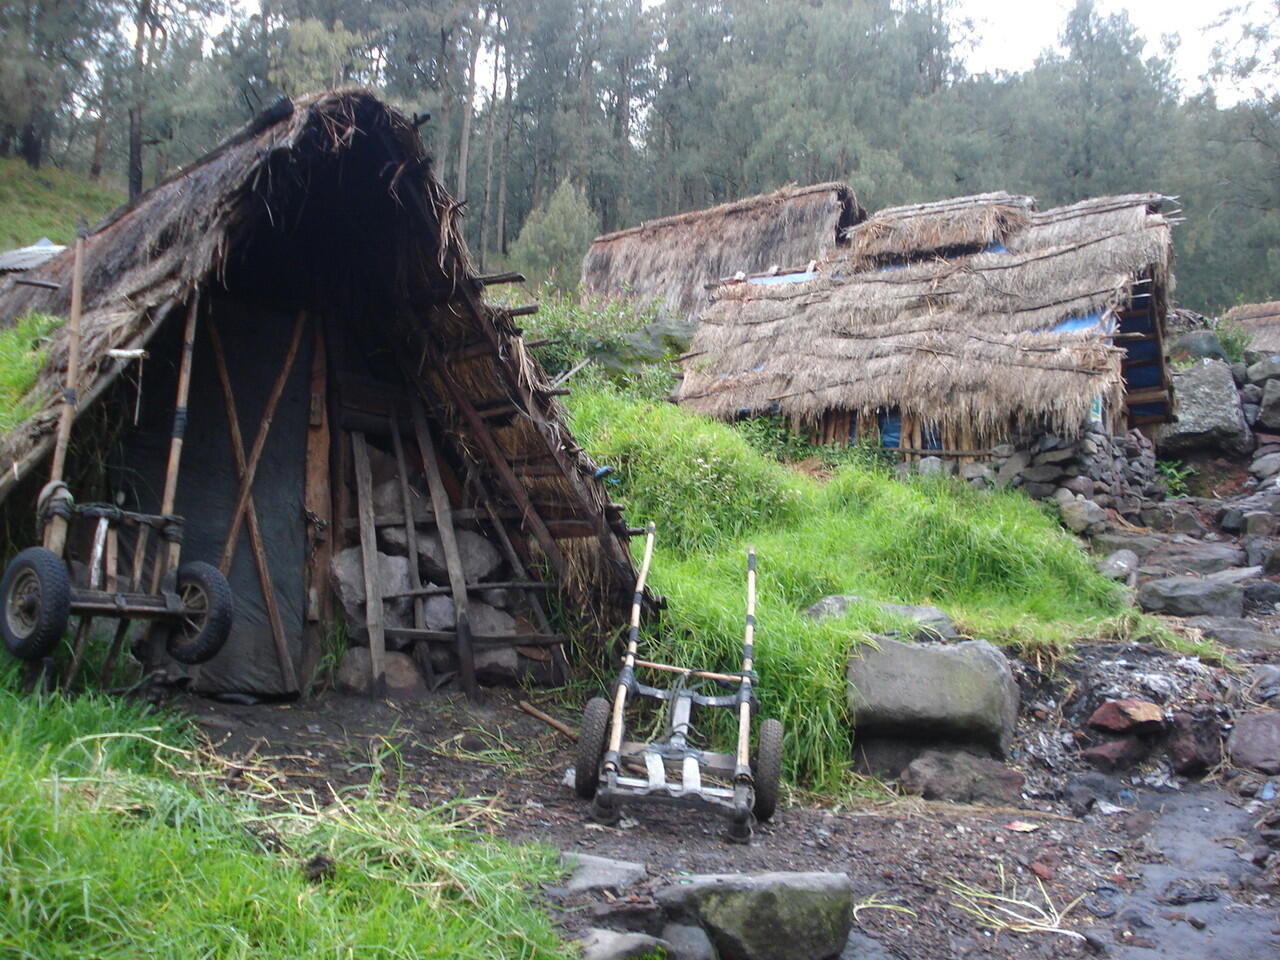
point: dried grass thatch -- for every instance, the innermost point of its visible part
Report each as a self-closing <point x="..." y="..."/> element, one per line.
<point x="923" y="230"/>
<point x="328" y="204"/>
<point x="1260" y="320"/>
<point x="669" y="262"/>
<point x="958" y="342"/>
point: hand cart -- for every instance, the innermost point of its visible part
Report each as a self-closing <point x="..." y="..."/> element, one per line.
<point x="674" y="769"/>
<point x="42" y="588"/>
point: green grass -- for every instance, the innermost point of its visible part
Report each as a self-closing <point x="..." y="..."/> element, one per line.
<point x="999" y="563"/>
<point x="23" y="348"/>
<point x="113" y="844"/>
<point x="47" y="203"/>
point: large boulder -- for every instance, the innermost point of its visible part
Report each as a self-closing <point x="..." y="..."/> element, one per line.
<point x="962" y="691"/>
<point x="1208" y="410"/>
<point x="767" y="916"/>
<point x="1192" y="597"/>
<point x="1197" y="345"/>
<point x="1236" y="633"/>
<point x="355" y="674"/>
<point x="1083" y="516"/>
<point x="346" y="573"/>
<point x="1269" y="406"/>
<point x="1195" y="556"/>
<point x="480" y="558"/>
<point x="933" y="622"/>
<point x="1264" y="369"/>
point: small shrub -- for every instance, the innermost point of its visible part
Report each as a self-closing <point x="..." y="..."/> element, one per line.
<point x="578" y="328"/>
<point x="1234" y="338"/>
<point x="555" y="237"/>
<point x="1174" y="475"/>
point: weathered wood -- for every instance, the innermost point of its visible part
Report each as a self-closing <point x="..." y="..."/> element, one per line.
<point x="436" y="591"/>
<point x="411" y="540"/>
<point x="317" y="494"/>
<point x="257" y="545"/>
<point x="493" y="279"/>
<point x="260" y="442"/>
<point x="1147" y="395"/>
<point x="546" y="718"/>
<point x="529" y="309"/>
<point x="54" y="534"/>
<point x="479" y="639"/>
<point x="369" y="557"/>
<point x="449" y="543"/>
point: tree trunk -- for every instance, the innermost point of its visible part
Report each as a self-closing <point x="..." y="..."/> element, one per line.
<point x="488" y="165"/>
<point x="99" y="147"/>
<point x="31" y="144"/>
<point x="142" y="14"/>
<point x="7" y="133"/>
<point x="509" y="121"/>
<point x="464" y="146"/>
<point x="446" y="103"/>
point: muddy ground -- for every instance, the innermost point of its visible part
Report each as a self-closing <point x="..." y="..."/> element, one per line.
<point x="1164" y="872"/>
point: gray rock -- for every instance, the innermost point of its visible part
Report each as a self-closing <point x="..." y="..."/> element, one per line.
<point x="1141" y="544"/>
<point x="600" y="944"/>
<point x="1251" y="393"/>
<point x="1197" y="345"/>
<point x="1208" y="410"/>
<point x="962" y="777"/>
<point x="1120" y="565"/>
<point x="1269" y="407"/>
<point x="355" y="674"/>
<point x="1235" y="632"/>
<point x="480" y="558"/>
<point x="1081" y="485"/>
<point x="439" y="613"/>
<point x="964" y="691"/>
<point x="1012" y="467"/>
<point x="976" y="471"/>
<point x="861" y="947"/>
<point x="1264" y="593"/>
<point x="1063" y="495"/>
<point x="600" y="873"/>
<point x="1255" y="741"/>
<point x="1268" y="465"/>
<point x="1251" y="413"/>
<point x="497" y="666"/>
<point x="1264" y="369"/>
<point x="767" y="916"/>
<point x="1059" y="456"/>
<point x="1240" y="373"/>
<point x="1191" y="597"/>
<point x="1084" y="516"/>
<point x="1002" y="450"/>
<point x="930" y="466"/>
<point x="934" y="622"/>
<point x="689" y="942"/>
<point x="1235" y="575"/>
<point x="1193" y="557"/>
<point x="1041" y="474"/>
<point x="346" y="573"/>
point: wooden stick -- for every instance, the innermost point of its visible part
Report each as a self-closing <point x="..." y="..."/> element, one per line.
<point x="251" y="466"/>
<point x="369" y="555"/>
<point x="55" y="533"/>
<point x="546" y="718"/>
<point x="449" y="541"/>
<point x="743" y="757"/>
<point x="256" y="543"/>
<point x="633" y="641"/>
<point x="411" y="540"/>
<point x="77" y="652"/>
<point x="317" y="495"/>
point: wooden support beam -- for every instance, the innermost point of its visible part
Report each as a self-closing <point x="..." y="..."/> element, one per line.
<point x="493" y="279"/>
<point x="489" y="640"/>
<point x="317" y="492"/>
<point x="256" y="543"/>
<point x="525" y="311"/>
<point x="411" y="541"/>
<point x="369" y="557"/>
<point x="1147" y="395"/>
<point x="449" y="543"/>
<point x="251" y="465"/>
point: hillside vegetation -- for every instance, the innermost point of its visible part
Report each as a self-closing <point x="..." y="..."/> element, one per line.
<point x="47" y="203"/>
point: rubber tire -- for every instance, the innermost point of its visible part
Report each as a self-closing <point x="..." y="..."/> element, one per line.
<point x="217" y="626"/>
<point x="592" y="740"/>
<point x="50" y="572"/>
<point x="766" y="769"/>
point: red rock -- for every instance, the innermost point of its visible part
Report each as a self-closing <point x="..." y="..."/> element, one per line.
<point x="1117" y="754"/>
<point x="1255" y="741"/>
<point x="1128" y="716"/>
<point x="1042" y="870"/>
<point x="1195" y="744"/>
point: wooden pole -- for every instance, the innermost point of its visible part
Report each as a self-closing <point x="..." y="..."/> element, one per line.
<point x="448" y="540"/>
<point x="256" y="542"/>
<point x="411" y="541"/>
<point x="369" y="556"/>
<point x="251" y="466"/>
<point x="55" y="534"/>
<point x="743" y="759"/>
<point x="318" y="494"/>
<point x="612" y="758"/>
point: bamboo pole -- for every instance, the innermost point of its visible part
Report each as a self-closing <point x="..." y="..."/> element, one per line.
<point x="55" y="533"/>
<point x="612" y="759"/>
<point x="743" y="759"/>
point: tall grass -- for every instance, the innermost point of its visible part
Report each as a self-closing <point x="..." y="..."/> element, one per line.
<point x="112" y="847"/>
<point x="23" y="348"/>
<point x="998" y="562"/>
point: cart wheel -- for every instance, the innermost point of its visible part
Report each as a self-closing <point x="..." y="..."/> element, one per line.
<point x="206" y="613"/>
<point x="591" y="744"/>
<point x="37" y="603"/>
<point x="766" y="771"/>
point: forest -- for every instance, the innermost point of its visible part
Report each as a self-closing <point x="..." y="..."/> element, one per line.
<point x="626" y="110"/>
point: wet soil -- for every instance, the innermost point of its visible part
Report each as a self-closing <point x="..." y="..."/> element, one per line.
<point x="904" y="853"/>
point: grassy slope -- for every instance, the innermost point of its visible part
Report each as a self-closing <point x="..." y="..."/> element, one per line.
<point x="105" y="852"/>
<point x="998" y="562"/>
<point x="46" y="203"/>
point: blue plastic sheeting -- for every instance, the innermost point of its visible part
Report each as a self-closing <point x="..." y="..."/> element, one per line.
<point x="784" y="278"/>
<point x="890" y="428"/>
<point x="931" y="437"/>
<point x="892" y="266"/>
<point x="1142" y="350"/>
<point x="1146" y="376"/>
<point x="996" y="247"/>
<point x="1072" y="324"/>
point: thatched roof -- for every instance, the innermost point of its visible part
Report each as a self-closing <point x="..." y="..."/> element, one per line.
<point x="328" y="204"/>
<point x="960" y="341"/>
<point x="923" y="230"/>
<point x="27" y="258"/>
<point x="669" y="262"/>
<point x="1260" y="320"/>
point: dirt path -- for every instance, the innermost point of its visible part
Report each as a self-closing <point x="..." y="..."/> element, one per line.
<point x="906" y="853"/>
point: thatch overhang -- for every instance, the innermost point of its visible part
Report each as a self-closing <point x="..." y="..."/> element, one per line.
<point x="667" y="263"/>
<point x="322" y="204"/>
<point x="944" y="228"/>
<point x="1021" y="334"/>
<point x="1260" y="320"/>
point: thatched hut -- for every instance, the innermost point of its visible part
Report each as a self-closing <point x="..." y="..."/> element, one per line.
<point x="951" y="327"/>
<point x="1261" y="321"/>
<point x="668" y="263"/>
<point x="340" y="329"/>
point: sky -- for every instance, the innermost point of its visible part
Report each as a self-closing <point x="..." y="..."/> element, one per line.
<point x="1010" y="34"/>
